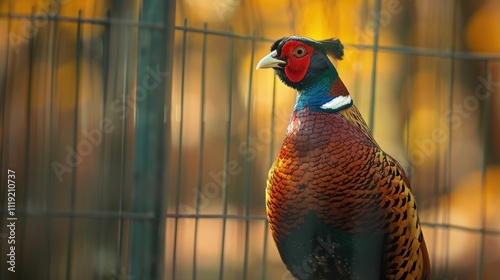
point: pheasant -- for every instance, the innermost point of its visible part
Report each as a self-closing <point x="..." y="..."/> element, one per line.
<point x="338" y="206"/>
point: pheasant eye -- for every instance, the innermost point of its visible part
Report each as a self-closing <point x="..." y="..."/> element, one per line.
<point x="299" y="51"/>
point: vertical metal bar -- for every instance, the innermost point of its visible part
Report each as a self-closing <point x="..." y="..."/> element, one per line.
<point x="271" y="162"/>
<point x="151" y="138"/>
<point x="437" y="159"/>
<point x="409" y="89"/>
<point x="123" y="150"/>
<point x="376" y="28"/>
<point x="201" y="141"/>
<point x="141" y="59"/>
<point x="447" y="164"/>
<point x="102" y="157"/>
<point x="226" y="148"/>
<point x="273" y="123"/>
<point x="440" y="163"/>
<point x="436" y="235"/>
<point x="105" y="57"/>
<point x="51" y="133"/>
<point x="485" y="121"/>
<point x="75" y="138"/>
<point x="139" y="230"/>
<point x="161" y="207"/>
<point x="179" y="159"/>
<point x="248" y="160"/>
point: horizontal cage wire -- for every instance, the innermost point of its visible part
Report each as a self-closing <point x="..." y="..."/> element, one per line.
<point x="141" y="135"/>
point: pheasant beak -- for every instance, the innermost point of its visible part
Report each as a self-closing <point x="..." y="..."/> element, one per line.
<point x="269" y="61"/>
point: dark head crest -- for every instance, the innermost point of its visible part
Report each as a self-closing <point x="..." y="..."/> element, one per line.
<point x="333" y="47"/>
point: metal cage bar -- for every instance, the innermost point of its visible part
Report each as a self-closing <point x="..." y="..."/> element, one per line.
<point x="248" y="161"/>
<point x="179" y="160"/>
<point x="75" y="137"/>
<point x="201" y="147"/>
<point x="227" y="144"/>
<point x="376" y="29"/>
<point x="485" y="121"/>
<point x="152" y="135"/>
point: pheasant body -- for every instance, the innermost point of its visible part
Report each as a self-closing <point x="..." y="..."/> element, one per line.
<point x="318" y="194"/>
<point x="337" y="205"/>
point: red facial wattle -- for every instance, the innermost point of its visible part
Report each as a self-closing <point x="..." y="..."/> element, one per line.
<point x="296" y="67"/>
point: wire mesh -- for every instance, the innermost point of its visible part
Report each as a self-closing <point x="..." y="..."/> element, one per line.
<point x="174" y="187"/>
<point x="92" y="111"/>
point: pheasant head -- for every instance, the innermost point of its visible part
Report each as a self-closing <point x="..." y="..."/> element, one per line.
<point x="303" y="64"/>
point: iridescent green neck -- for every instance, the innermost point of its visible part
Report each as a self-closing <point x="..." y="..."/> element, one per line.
<point x="319" y="92"/>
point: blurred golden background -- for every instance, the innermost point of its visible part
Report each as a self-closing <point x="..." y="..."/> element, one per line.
<point x="424" y="74"/>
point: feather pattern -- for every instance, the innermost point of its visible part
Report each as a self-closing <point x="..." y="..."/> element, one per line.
<point x="353" y="115"/>
<point x="375" y="214"/>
